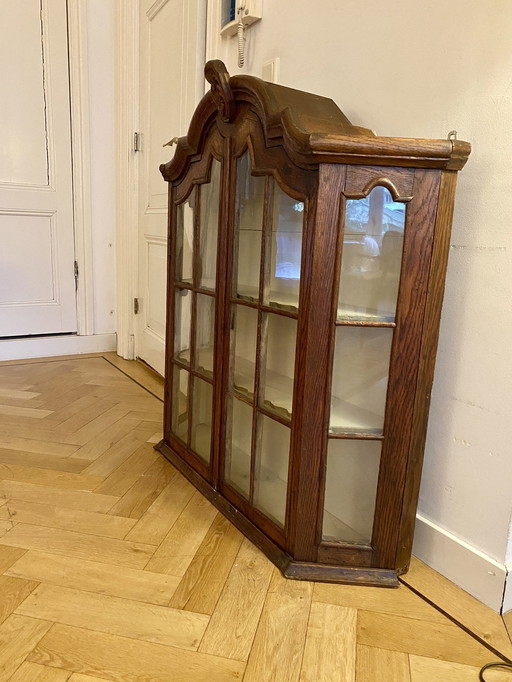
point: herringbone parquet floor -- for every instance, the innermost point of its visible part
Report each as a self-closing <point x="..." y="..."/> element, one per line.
<point x="113" y="567"/>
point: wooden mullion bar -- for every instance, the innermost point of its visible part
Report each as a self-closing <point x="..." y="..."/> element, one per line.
<point x="363" y="323"/>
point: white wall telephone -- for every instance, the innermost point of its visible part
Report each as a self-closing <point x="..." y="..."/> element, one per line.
<point x="236" y="16"/>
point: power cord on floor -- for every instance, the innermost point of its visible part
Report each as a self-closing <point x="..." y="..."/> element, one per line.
<point x="481" y="677"/>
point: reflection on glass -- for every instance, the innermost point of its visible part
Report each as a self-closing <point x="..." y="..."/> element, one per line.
<point x="205" y="334"/>
<point x="179" y="405"/>
<point x="350" y="490"/>
<point x="371" y="259"/>
<point x="243" y="344"/>
<point x="286" y="249"/>
<point x="183" y="300"/>
<point x="271" y="470"/>
<point x="210" y="195"/>
<point x="360" y="379"/>
<point x="249" y="200"/>
<point x="201" y="418"/>
<point x="278" y="364"/>
<point x="238" y="446"/>
<point x="185" y="240"/>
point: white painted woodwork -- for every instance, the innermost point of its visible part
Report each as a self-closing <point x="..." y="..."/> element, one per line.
<point x="171" y="83"/>
<point x="37" y="286"/>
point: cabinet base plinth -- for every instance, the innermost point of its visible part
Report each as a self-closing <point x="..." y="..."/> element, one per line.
<point x="290" y="568"/>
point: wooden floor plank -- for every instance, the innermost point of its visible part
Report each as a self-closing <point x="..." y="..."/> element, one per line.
<point x="31" y="412"/>
<point x="431" y="670"/>
<point x="33" y="672"/>
<point x="18" y="636"/>
<point x="200" y="587"/>
<point x="9" y="556"/>
<point x="38" y="446"/>
<point x="137" y="500"/>
<point x="92" y="523"/>
<point x="330" y="649"/>
<point x="91" y="576"/>
<point x="79" y="545"/>
<point x="12" y="592"/>
<point x="179" y="546"/>
<point x="118" y="453"/>
<point x="467" y="610"/>
<point x="435" y="640"/>
<point x="154" y="525"/>
<point x="122" y="479"/>
<point x="116" y="616"/>
<point x="72" y="499"/>
<point x="374" y="664"/>
<point x="102" y="441"/>
<point x="117" y="659"/>
<point x="281" y="634"/>
<point x="401" y="602"/>
<point x="78" y="677"/>
<point x="232" y="627"/>
<point x="41" y="461"/>
<point x="57" y="479"/>
<point x="507" y="619"/>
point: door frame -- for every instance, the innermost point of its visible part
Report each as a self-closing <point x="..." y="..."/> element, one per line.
<point x="127" y="167"/>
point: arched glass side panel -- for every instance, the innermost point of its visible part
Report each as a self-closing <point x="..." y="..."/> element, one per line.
<point x="209" y="228"/>
<point x="373" y="241"/>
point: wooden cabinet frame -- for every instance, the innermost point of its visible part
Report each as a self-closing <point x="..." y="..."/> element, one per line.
<point x="316" y="156"/>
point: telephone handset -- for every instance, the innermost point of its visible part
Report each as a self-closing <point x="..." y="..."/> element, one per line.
<point x="236" y="16"/>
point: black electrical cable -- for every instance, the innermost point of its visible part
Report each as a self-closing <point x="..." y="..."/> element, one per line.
<point x="481" y="677"/>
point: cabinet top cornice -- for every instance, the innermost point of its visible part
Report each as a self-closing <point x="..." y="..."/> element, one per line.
<point x="311" y="128"/>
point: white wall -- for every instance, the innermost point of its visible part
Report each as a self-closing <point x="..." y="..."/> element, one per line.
<point x="101" y="46"/>
<point x="421" y="70"/>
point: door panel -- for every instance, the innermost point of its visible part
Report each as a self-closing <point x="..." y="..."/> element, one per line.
<point x="37" y="285"/>
<point x="171" y="61"/>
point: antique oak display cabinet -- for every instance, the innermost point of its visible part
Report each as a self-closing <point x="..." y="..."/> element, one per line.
<point x="307" y="259"/>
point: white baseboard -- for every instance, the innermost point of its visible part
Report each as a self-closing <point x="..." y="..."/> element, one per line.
<point x="469" y="568"/>
<point x="48" y="346"/>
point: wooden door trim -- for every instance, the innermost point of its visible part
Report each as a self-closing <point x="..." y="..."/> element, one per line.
<point x="127" y="170"/>
<point x="81" y="165"/>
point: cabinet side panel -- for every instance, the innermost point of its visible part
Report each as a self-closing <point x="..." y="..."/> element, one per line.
<point x="427" y="362"/>
<point x="417" y="255"/>
<point x="311" y="411"/>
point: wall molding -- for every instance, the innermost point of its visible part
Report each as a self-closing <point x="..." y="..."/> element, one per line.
<point x="49" y="346"/>
<point x="127" y="122"/>
<point x="469" y="568"/>
<point x="80" y="144"/>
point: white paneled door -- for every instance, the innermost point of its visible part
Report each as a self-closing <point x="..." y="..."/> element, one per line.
<point x="171" y="83"/>
<point x="37" y="285"/>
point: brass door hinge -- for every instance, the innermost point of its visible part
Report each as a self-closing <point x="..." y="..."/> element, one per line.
<point x="136" y="306"/>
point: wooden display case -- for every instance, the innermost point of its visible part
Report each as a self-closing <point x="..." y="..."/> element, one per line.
<point x="307" y="260"/>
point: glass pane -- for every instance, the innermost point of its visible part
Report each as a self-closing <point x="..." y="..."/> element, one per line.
<point x="372" y="254"/>
<point x="250" y="196"/>
<point x="238" y="446"/>
<point x="360" y="379"/>
<point x="244" y="336"/>
<point x="183" y="300"/>
<point x="179" y="405"/>
<point x="205" y="334"/>
<point x="202" y="419"/>
<point x="185" y="240"/>
<point x="350" y="489"/>
<point x="286" y="249"/>
<point x="210" y="194"/>
<point x="271" y="470"/>
<point x="278" y="364"/>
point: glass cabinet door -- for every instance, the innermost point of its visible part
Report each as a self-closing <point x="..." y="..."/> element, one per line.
<point x="373" y="236"/>
<point x="264" y="302"/>
<point x="195" y="304"/>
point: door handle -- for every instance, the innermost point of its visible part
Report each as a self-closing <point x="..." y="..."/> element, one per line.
<point x="174" y="140"/>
